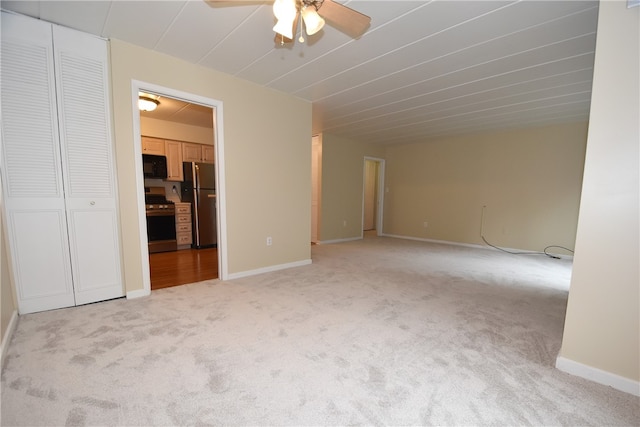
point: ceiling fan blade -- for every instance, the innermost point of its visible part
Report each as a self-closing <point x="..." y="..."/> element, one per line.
<point x="345" y="19"/>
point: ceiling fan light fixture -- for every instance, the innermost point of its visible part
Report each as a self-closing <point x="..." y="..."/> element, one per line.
<point x="285" y="11"/>
<point x="284" y="28"/>
<point x="312" y="21"/>
<point x="146" y="103"/>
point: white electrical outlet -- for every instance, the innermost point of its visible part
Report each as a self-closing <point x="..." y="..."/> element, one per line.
<point x="344" y="222"/>
<point x="269" y="241"/>
<point x="425" y="224"/>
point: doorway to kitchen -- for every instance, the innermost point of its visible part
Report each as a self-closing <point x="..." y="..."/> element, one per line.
<point x="176" y="268"/>
<point x="316" y="186"/>
<point x="372" y="196"/>
<point x="188" y="124"/>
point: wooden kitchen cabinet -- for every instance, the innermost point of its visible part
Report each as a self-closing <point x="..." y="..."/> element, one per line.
<point x="208" y="154"/>
<point x="153" y="146"/>
<point x="173" y="151"/>
<point x="191" y="152"/>
<point x="183" y="225"/>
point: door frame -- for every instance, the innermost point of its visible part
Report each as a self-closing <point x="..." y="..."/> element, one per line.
<point x="218" y="136"/>
<point x="316" y="186"/>
<point x="380" y="195"/>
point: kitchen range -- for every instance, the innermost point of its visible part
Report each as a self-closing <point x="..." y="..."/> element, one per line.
<point x="161" y="228"/>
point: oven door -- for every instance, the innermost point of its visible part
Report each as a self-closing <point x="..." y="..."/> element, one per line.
<point x="161" y="231"/>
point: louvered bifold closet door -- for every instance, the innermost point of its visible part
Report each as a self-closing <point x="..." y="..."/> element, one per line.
<point x="88" y="165"/>
<point x="31" y="171"/>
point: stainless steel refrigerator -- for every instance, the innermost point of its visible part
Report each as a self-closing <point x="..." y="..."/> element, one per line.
<point x="199" y="188"/>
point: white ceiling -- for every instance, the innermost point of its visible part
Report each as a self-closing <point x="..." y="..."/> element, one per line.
<point x="175" y="110"/>
<point x="423" y="69"/>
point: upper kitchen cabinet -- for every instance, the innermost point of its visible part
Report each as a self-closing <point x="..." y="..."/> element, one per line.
<point x="153" y="146"/>
<point x="192" y="152"/>
<point x="58" y="166"/>
<point x="208" y="154"/>
<point x="173" y="150"/>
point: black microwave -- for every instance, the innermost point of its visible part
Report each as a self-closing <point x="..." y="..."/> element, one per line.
<point x="154" y="166"/>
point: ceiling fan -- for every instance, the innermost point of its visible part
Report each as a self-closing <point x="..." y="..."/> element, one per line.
<point x="313" y="13"/>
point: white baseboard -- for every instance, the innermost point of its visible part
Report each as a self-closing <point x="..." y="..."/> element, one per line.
<point x="144" y="293"/>
<point x="138" y="294"/>
<point x="470" y="245"/>
<point x="7" y="337"/>
<point x="268" y="269"/>
<point x="443" y="242"/>
<point x="598" y="375"/>
<point x="329" y="242"/>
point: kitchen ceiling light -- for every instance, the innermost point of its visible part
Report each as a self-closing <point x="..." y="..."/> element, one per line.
<point x="146" y="103"/>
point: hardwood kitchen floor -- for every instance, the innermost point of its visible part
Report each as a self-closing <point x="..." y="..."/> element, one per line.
<point x="182" y="267"/>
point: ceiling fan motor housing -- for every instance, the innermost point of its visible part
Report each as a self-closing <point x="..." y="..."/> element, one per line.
<point x="315" y="3"/>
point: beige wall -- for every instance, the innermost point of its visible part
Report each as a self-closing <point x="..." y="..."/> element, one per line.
<point x="342" y="186"/>
<point x="603" y="319"/>
<point x="528" y="179"/>
<point x="176" y="131"/>
<point x="267" y="137"/>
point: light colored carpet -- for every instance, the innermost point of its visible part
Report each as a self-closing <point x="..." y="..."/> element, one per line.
<point x="375" y="332"/>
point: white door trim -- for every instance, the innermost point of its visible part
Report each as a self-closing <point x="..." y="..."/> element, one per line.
<point x="218" y="135"/>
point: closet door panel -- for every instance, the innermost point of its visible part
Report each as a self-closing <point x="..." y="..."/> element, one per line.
<point x="31" y="171"/>
<point x="95" y="251"/>
<point x="41" y="266"/>
<point x="30" y="143"/>
<point x="87" y="159"/>
<point x="83" y="109"/>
